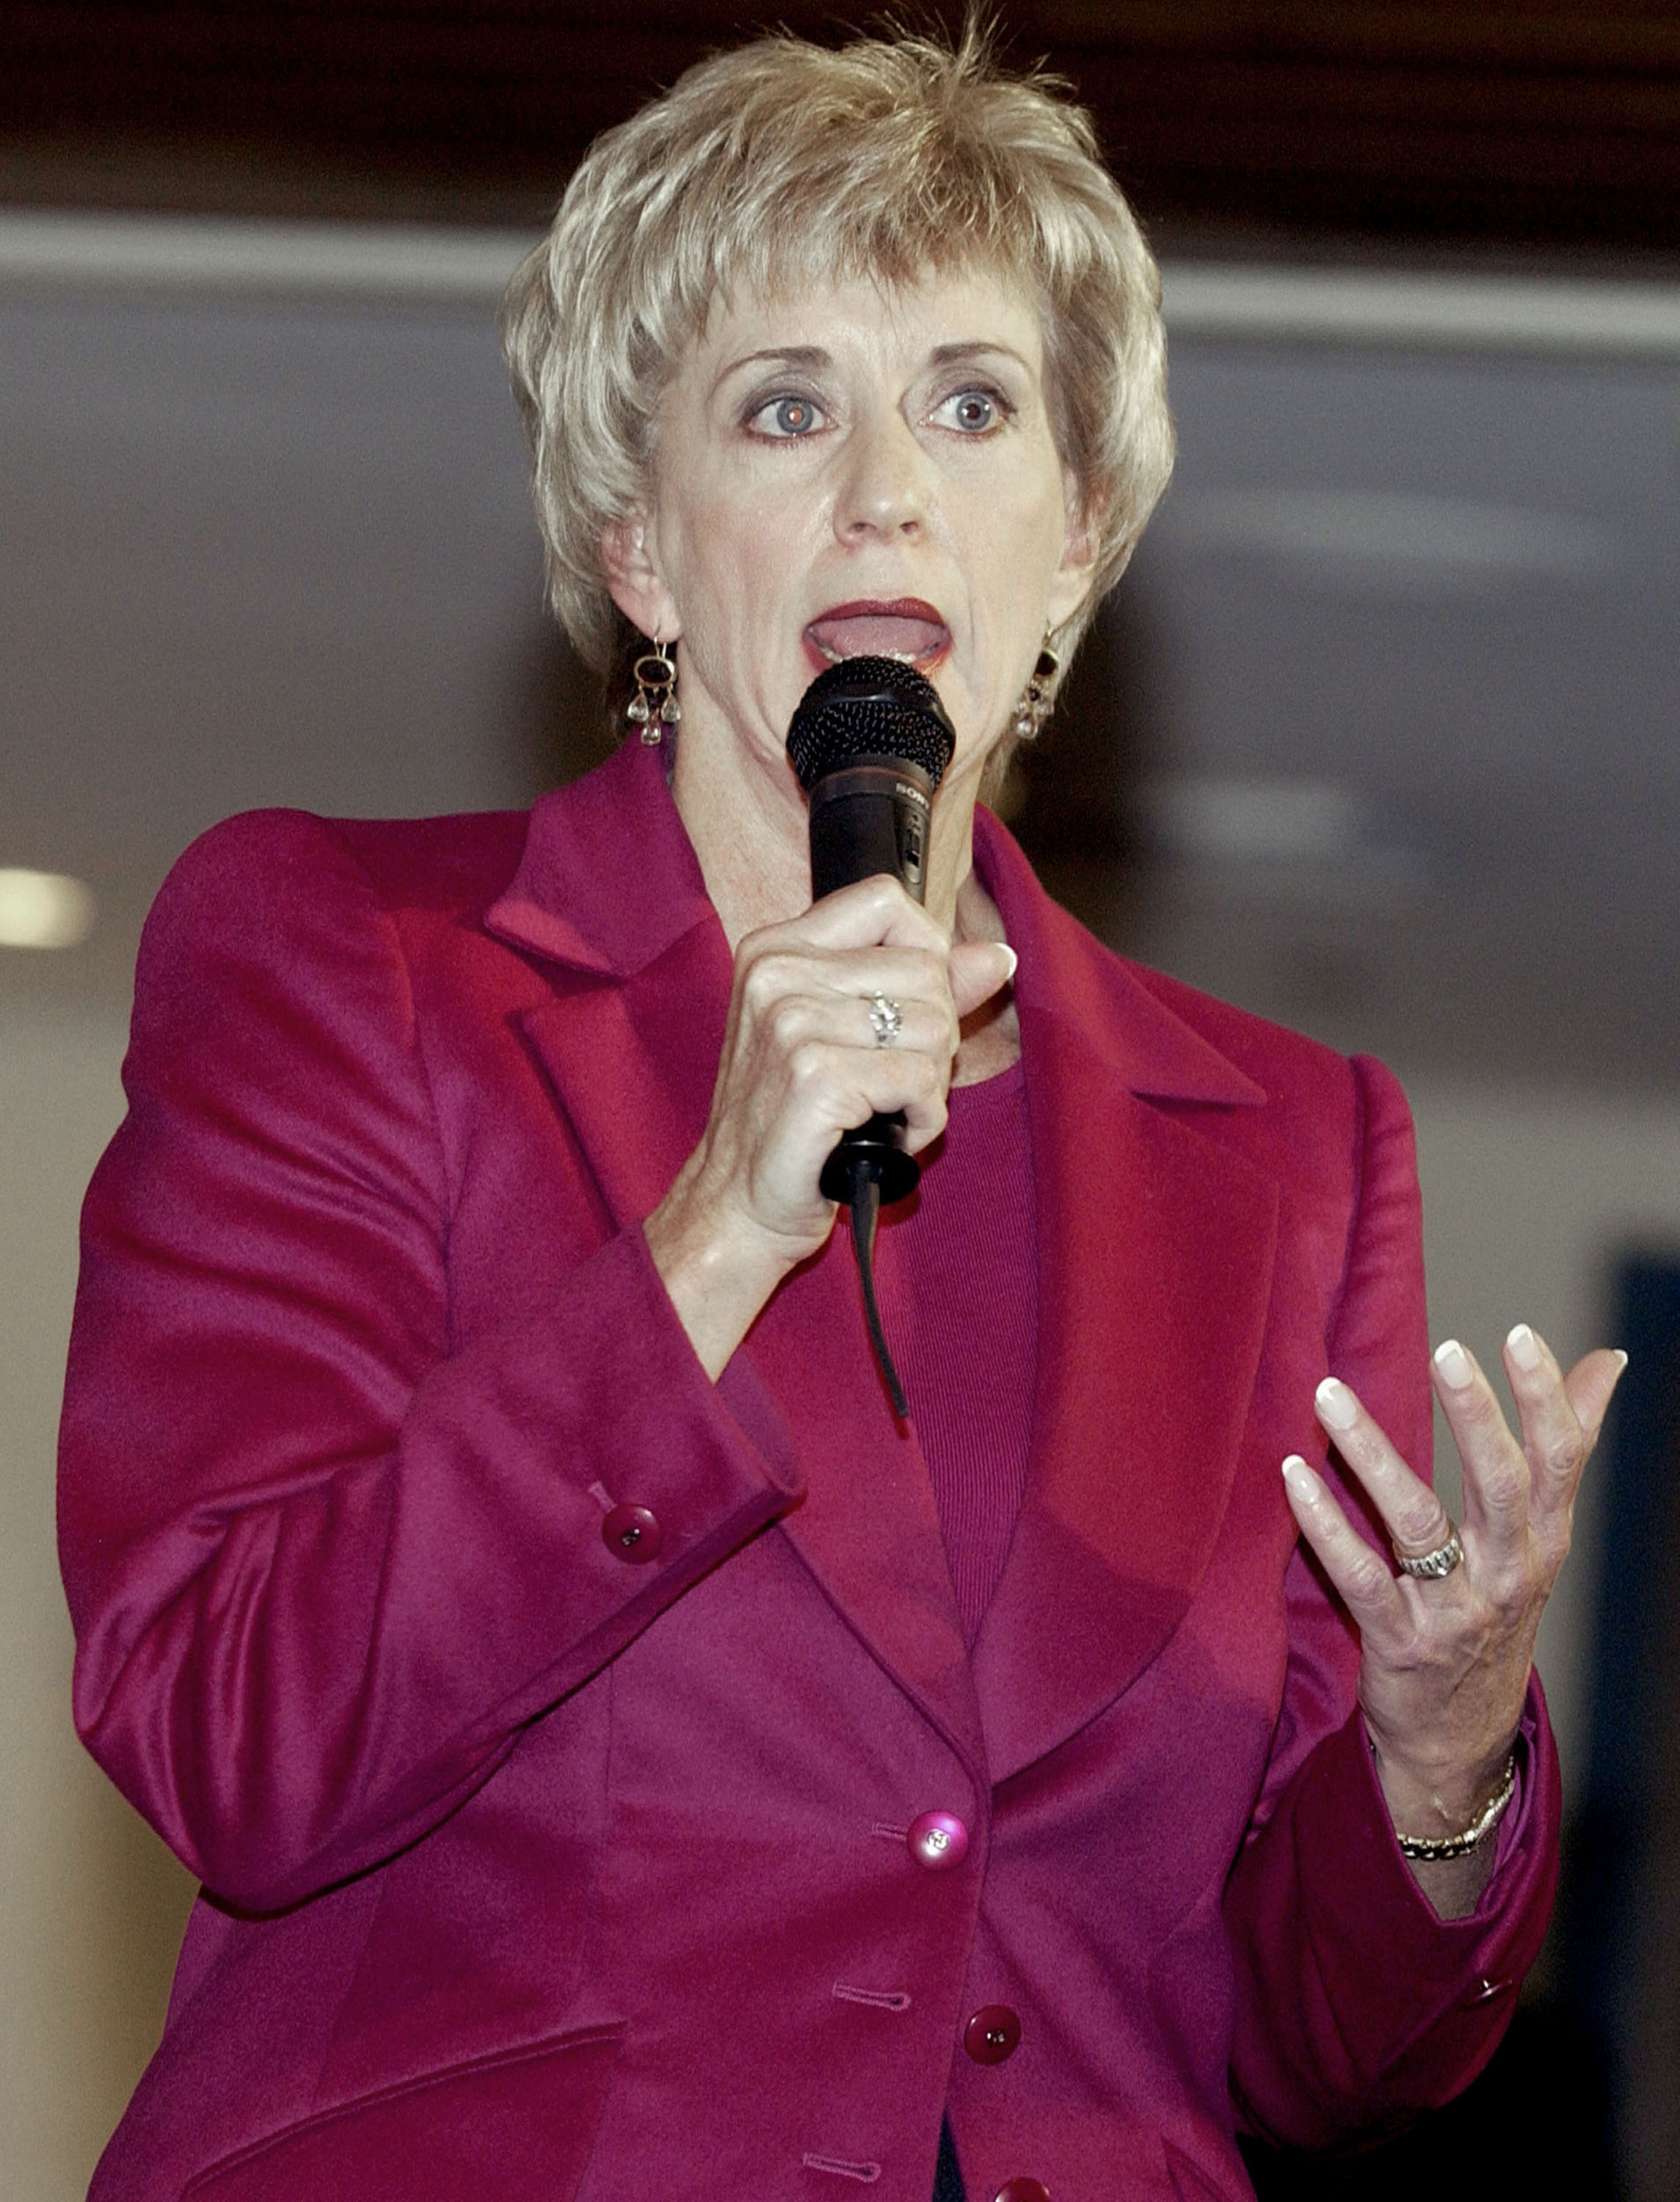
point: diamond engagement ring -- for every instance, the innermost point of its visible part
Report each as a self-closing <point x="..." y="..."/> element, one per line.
<point x="886" y="1020"/>
<point x="1431" y="1566"/>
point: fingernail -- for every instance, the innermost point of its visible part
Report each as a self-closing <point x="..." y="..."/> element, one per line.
<point x="1336" y="1404"/>
<point x="1014" y="961"/>
<point x="1523" y="1346"/>
<point x="1300" y="1477"/>
<point x="1621" y="1359"/>
<point x="1454" y="1363"/>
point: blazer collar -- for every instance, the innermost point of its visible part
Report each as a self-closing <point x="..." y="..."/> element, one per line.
<point x="1066" y="974"/>
<point x="609" y="881"/>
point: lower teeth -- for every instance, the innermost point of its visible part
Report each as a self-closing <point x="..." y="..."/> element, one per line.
<point x="898" y="656"/>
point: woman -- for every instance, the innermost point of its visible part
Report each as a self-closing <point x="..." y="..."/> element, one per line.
<point x="620" y="1756"/>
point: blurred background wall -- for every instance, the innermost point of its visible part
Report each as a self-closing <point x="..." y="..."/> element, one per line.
<point x="1376" y="737"/>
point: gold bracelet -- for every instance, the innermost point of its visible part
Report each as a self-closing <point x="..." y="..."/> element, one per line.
<point x="1455" y="1846"/>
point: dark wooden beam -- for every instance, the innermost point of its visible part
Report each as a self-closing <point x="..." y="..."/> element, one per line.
<point x="1543" y="121"/>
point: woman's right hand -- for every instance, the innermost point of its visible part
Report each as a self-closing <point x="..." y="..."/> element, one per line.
<point x="800" y="1065"/>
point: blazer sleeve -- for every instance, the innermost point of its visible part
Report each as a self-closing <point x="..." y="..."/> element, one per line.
<point x="323" y="1568"/>
<point x="1357" y="2006"/>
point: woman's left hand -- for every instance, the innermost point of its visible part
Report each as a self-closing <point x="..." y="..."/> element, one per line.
<point x="1445" y="1660"/>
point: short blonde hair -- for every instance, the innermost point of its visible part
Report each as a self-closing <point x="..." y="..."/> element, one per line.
<point x="783" y="165"/>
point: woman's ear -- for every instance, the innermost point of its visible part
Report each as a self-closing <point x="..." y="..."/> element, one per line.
<point x="634" y="579"/>
<point x="1079" y="545"/>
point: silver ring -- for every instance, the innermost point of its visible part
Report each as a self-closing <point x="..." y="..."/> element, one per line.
<point x="886" y="1020"/>
<point x="1429" y="1567"/>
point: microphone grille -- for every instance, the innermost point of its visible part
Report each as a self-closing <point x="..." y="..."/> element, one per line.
<point x="869" y="707"/>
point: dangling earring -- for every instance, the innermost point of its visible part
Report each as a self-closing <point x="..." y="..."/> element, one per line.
<point x="1038" y="697"/>
<point x="654" y="706"/>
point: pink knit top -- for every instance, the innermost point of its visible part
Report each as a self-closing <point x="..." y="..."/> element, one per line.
<point x="960" y="1298"/>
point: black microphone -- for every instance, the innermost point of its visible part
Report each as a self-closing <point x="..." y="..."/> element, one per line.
<point x="871" y="742"/>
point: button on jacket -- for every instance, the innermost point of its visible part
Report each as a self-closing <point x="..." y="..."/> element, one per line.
<point x="549" y="1726"/>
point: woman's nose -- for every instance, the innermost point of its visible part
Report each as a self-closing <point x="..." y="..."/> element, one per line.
<point x="883" y="486"/>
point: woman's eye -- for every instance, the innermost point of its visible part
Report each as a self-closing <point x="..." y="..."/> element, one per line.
<point x="972" y="412"/>
<point x="786" y="417"/>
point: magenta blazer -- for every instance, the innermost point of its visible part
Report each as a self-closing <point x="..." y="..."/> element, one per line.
<point x="554" y="1732"/>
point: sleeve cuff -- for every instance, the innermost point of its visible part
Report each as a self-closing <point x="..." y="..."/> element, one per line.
<point x="1392" y="1966"/>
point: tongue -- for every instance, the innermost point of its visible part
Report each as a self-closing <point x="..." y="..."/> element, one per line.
<point x="877" y="634"/>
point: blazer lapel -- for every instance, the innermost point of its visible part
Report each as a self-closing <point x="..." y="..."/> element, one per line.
<point x="1155" y="1248"/>
<point x="609" y="891"/>
<point x="869" y="1529"/>
<point x="630" y="1046"/>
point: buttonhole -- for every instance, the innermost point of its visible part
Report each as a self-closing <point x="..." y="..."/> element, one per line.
<point x="877" y="1998"/>
<point x="867" y="2173"/>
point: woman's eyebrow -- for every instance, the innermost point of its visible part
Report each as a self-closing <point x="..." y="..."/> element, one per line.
<point x="806" y="355"/>
<point x="977" y="348"/>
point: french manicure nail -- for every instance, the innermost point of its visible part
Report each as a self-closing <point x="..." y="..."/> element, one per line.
<point x="1523" y="1346"/>
<point x="1621" y="1357"/>
<point x="1337" y="1407"/>
<point x="1454" y="1363"/>
<point x="1300" y="1477"/>
<point x="1014" y="961"/>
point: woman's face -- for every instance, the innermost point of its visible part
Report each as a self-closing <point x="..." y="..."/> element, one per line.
<point x="855" y="471"/>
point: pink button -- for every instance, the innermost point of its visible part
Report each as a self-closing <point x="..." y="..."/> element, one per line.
<point x="633" y="1534"/>
<point x="938" y="1841"/>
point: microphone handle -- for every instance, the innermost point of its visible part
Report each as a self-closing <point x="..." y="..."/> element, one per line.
<point x="868" y="817"/>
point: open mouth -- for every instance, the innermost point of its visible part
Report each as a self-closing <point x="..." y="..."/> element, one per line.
<point x="905" y="628"/>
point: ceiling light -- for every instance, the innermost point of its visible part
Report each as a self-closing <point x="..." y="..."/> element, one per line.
<point x="43" y="909"/>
